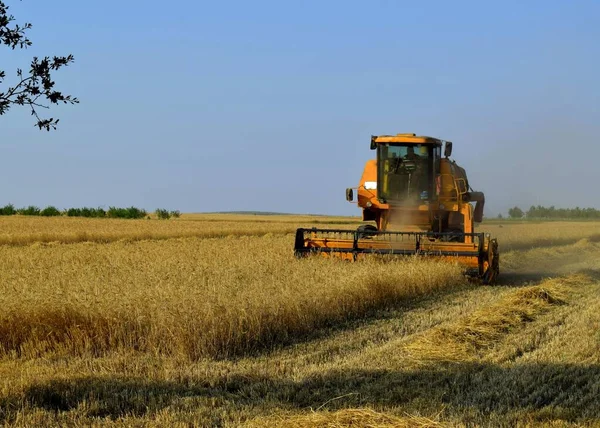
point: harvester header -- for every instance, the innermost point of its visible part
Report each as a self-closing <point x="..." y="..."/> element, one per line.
<point x="419" y="202"/>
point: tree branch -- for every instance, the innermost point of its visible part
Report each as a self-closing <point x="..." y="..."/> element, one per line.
<point x="39" y="82"/>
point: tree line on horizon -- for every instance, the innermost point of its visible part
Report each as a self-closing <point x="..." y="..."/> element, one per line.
<point x="112" y="212"/>
<point x="541" y="212"/>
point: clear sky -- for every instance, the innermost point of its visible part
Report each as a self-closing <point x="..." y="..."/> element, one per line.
<point x="269" y="105"/>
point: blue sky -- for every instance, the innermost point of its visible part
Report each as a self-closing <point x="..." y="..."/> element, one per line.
<point x="269" y="105"/>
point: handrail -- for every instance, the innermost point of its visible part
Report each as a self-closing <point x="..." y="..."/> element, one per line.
<point x="458" y="184"/>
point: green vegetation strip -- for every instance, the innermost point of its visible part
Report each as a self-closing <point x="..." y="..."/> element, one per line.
<point x="112" y="212"/>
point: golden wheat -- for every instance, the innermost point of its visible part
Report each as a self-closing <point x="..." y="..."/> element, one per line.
<point x="196" y="297"/>
<point x="275" y="218"/>
<point x="125" y="333"/>
<point x="524" y="236"/>
<point x="22" y="230"/>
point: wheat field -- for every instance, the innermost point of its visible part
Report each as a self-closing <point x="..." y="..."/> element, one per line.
<point x="209" y="320"/>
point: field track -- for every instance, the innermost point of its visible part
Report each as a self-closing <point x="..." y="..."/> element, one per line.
<point x="450" y="353"/>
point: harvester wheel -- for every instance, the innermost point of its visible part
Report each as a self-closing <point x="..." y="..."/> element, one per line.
<point x="366" y="231"/>
<point x="454" y="235"/>
<point x="493" y="271"/>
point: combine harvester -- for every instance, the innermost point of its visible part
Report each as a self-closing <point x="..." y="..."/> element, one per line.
<point x="421" y="205"/>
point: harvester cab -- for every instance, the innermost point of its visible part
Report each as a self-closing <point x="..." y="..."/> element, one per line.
<point x="420" y="202"/>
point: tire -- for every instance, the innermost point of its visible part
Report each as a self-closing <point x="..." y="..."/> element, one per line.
<point x="366" y="231"/>
<point x="457" y="235"/>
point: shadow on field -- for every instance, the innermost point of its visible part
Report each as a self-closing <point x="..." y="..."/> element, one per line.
<point x="521" y="278"/>
<point x="592" y="273"/>
<point x="567" y="392"/>
<point x="516" y="278"/>
<point x="470" y="392"/>
<point x="101" y="396"/>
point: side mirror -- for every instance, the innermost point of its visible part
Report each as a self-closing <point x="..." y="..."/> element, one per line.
<point x="373" y="145"/>
<point x="448" y="149"/>
<point x="349" y="195"/>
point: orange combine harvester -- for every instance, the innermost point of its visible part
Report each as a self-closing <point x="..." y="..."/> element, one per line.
<point x="420" y="203"/>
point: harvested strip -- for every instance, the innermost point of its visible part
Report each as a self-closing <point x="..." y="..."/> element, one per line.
<point x="465" y="339"/>
<point x="345" y="418"/>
